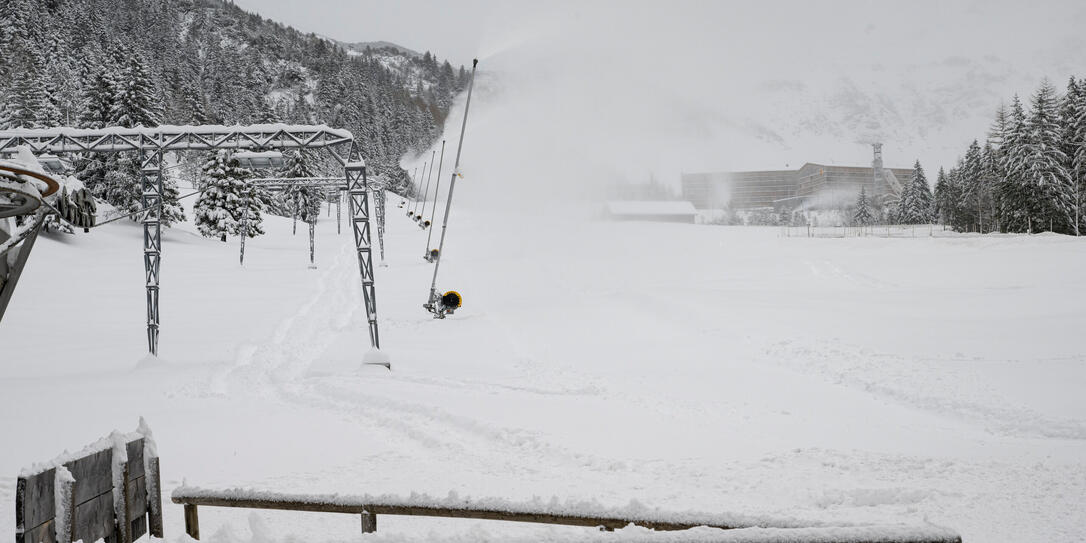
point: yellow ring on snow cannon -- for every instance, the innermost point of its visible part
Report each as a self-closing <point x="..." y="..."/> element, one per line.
<point x="452" y="299"/>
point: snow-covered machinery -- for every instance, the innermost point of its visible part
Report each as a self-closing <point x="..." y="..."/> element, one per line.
<point x="444" y="304"/>
<point x="23" y="210"/>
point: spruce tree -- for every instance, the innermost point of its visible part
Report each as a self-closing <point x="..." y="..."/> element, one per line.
<point x="1077" y="134"/>
<point x="922" y="202"/>
<point x="1042" y="164"/>
<point x="98" y="97"/>
<point x="135" y="100"/>
<point x="218" y="209"/>
<point x="942" y="205"/>
<point x="120" y="185"/>
<point x="1012" y="195"/>
<point x="863" y="215"/>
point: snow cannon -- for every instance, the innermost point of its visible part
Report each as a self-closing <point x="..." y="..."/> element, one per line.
<point x="445" y="304"/>
<point x="451" y="301"/>
<point x="418" y="218"/>
<point x="431" y="256"/>
<point x="426" y="224"/>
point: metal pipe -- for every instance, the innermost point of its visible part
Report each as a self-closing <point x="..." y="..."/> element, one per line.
<point x="452" y="184"/>
<point x="415" y="208"/>
<point x="426" y="191"/>
<point x="437" y="190"/>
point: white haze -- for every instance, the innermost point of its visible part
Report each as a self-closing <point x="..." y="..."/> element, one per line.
<point x="573" y="97"/>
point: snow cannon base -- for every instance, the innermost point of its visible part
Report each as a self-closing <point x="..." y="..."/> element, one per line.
<point x="445" y="305"/>
<point x="375" y="357"/>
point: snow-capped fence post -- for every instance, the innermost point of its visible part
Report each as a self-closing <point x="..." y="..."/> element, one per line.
<point x="154" y="496"/>
<point x="339" y="213"/>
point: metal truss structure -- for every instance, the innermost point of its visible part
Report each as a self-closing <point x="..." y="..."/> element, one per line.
<point x="152" y="143"/>
<point x="376" y="184"/>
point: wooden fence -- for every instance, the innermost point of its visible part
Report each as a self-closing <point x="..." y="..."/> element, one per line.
<point x="90" y="506"/>
<point x="370" y="508"/>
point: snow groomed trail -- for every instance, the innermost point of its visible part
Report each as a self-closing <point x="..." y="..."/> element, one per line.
<point x="687" y="367"/>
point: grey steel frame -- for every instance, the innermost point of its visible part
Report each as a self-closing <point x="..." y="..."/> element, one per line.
<point x="151" y="143"/>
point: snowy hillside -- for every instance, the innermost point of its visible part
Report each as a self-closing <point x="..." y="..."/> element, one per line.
<point x="733" y="372"/>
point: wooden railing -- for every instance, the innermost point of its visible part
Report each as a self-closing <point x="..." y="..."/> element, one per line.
<point x="368" y="508"/>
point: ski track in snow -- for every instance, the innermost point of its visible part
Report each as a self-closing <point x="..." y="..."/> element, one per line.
<point x="912" y="384"/>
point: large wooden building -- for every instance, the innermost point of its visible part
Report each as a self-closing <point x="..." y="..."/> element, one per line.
<point x="816" y="185"/>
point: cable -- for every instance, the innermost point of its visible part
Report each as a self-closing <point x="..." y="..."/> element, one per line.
<point x="433" y="211"/>
<point x="426" y="191"/>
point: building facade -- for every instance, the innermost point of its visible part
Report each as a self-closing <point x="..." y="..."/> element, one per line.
<point x="813" y="185"/>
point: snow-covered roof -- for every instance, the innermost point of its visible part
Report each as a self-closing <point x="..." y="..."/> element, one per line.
<point x="651" y="207"/>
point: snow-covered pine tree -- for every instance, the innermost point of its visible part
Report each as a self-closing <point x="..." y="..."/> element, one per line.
<point x="991" y="173"/>
<point x="172" y="210"/>
<point x="299" y="164"/>
<point x="250" y="210"/>
<point x="1078" y="157"/>
<point x="1043" y="165"/>
<point x="27" y="104"/>
<point x="136" y="102"/>
<point x="863" y="216"/>
<point x="217" y="208"/>
<point x="98" y="96"/>
<point x="942" y="205"/>
<point x="1012" y="196"/>
<point x="120" y="185"/>
<point x="972" y="187"/>
<point x="922" y="203"/>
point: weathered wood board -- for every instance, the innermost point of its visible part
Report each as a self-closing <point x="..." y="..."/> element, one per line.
<point x="93" y="516"/>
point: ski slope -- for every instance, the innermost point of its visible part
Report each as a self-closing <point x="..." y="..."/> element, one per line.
<point x="716" y="369"/>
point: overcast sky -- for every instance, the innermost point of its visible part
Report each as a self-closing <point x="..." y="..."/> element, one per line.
<point x="633" y="89"/>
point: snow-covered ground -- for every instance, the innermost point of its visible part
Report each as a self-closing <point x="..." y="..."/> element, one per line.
<point x="687" y="367"/>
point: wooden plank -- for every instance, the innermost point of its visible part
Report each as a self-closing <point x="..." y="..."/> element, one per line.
<point x="139" y="527"/>
<point x="137" y="497"/>
<point x="541" y="518"/>
<point x="20" y="504"/>
<point x="369" y="517"/>
<point x="38" y="495"/>
<point x="135" y="458"/>
<point x="94" y="518"/>
<point x="154" y="499"/>
<point x="356" y="509"/>
<point x="124" y="522"/>
<point x="482" y="514"/>
<point x="192" y="521"/>
<point x="93" y="475"/>
<point x="64" y="531"/>
<point x="40" y="534"/>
